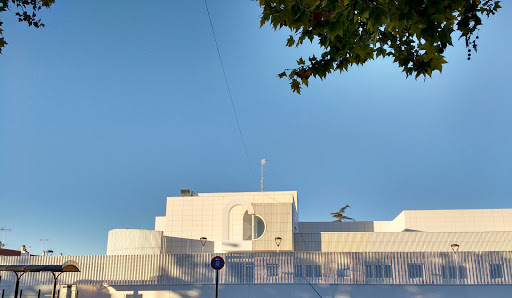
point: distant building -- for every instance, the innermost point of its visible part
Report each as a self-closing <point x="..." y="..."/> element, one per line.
<point x="11" y="252"/>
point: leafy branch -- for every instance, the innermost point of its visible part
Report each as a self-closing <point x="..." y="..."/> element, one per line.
<point x="415" y="33"/>
<point x="26" y="11"/>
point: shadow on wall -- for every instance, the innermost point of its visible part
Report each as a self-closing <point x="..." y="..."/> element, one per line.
<point x="177" y="245"/>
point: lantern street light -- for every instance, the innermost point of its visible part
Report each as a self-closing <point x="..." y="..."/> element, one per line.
<point x="203" y="243"/>
<point x="455" y="248"/>
<point x="278" y="242"/>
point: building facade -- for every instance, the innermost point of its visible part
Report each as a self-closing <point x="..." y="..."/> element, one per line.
<point x="269" y="252"/>
<point x="251" y="222"/>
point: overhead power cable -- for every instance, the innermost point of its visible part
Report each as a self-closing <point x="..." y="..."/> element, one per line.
<point x="229" y="91"/>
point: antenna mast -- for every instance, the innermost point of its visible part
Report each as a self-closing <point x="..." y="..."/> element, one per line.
<point x="263" y="162"/>
<point x="2" y="244"/>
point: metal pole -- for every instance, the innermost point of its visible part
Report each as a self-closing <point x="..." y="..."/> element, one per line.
<point x="457" y="267"/>
<point x="54" y="283"/>
<point x="21" y="293"/>
<point x="17" y="285"/>
<point x="216" y="283"/>
<point x="261" y="176"/>
<point x="39" y="294"/>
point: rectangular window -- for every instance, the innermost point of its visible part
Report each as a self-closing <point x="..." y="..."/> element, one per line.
<point x="236" y="271"/>
<point x="272" y="270"/>
<point x="378" y="271"/>
<point x="450" y="272"/>
<point x="495" y="271"/>
<point x="249" y="272"/>
<point x="387" y="271"/>
<point x="313" y="270"/>
<point x="463" y="272"/>
<point x="415" y="270"/>
<point x="298" y="271"/>
<point x="368" y="271"/>
<point x="343" y="271"/>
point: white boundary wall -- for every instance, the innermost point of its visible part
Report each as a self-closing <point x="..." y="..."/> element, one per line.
<point x="411" y="268"/>
<point x="267" y="291"/>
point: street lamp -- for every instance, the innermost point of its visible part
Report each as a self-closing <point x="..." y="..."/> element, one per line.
<point x="455" y="248"/>
<point x="203" y="242"/>
<point x="278" y="242"/>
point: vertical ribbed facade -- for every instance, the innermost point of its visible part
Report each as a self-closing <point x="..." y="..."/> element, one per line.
<point x="277" y="268"/>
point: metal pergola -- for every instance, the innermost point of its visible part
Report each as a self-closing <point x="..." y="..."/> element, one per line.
<point x="55" y="270"/>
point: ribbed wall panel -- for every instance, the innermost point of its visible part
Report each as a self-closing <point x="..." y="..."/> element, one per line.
<point x="403" y="241"/>
<point x="277" y="268"/>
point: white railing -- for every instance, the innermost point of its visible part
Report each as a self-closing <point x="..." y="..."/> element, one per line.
<point x="277" y="268"/>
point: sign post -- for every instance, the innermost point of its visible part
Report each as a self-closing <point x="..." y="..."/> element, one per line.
<point x="217" y="263"/>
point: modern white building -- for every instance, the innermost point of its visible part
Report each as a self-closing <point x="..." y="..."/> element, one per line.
<point x="269" y="252"/>
<point x="251" y="222"/>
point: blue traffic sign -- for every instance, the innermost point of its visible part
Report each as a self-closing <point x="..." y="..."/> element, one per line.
<point x="217" y="263"/>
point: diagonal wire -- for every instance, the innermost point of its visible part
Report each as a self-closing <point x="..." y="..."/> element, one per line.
<point x="229" y="91"/>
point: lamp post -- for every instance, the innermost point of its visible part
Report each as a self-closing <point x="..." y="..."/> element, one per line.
<point x="203" y="243"/>
<point x="455" y="248"/>
<point x="278" y="242"/>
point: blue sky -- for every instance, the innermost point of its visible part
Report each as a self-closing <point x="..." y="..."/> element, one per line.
<point x="115" y="105"/>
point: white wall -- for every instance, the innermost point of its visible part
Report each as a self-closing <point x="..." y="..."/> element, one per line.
<point x="207" y="214"/>
<point x="134" y="242"/>
<point x="403" y="242"/>
<point x="470" y="220"/>
<point x="292" y="291"/>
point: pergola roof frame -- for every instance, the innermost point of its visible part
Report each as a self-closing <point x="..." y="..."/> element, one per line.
<point x="55" y="270"/>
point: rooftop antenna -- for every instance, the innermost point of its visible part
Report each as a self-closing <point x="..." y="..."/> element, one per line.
<point x="42" y="242"/>
<point x="263" y="162"/>
<point x="2" y="244"/>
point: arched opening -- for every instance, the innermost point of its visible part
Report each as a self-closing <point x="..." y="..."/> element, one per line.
<point x="244" y="226"/>
<point x="236" y="219"/>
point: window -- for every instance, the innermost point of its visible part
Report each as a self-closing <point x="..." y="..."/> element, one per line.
<point x="495" y="271"/>
<point x="249" y="272"/>
<point x="378" y="271"/>
<point x="343" y="271"/>
<point x="450" y="272"/>
<point x="415" y="270"/>
<point x="388" y="273"/>
<point x="298" y="271"/>
<point x="272" y="270"/>
<point x="313" y="270"/>
<point x="259" y="227"/>
<point x="368" y="271"/>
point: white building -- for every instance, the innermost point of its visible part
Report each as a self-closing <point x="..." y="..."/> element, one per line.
<point x="251" y="222"/>
<point x="438" y="253"/>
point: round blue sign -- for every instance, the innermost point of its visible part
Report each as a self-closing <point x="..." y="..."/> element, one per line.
<point x="217" y="263"/>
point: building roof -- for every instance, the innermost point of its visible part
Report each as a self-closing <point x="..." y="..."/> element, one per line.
<point x="9" y="252"/>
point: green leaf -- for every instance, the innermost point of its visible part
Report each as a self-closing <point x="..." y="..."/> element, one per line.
<point x="290" y="41"/>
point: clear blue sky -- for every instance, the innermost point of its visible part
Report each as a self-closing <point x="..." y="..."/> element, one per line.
<point x="117" y="104"/>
